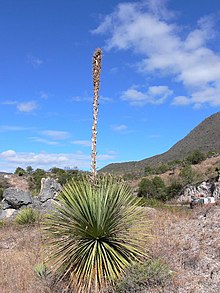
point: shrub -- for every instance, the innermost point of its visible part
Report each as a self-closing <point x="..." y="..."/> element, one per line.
<point x="93" y="233"/>
<point x="187" y="174"/>
<point x="35" y="180"/>
<point x="154" y="188"/>
<point x="173" y="190"/>
<point x="196" y="157"/>
<point x="27" y="216"/>
<point x="140" y="277"/>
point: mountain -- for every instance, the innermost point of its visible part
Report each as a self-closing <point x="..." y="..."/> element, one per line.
<point x="205" y="137"/>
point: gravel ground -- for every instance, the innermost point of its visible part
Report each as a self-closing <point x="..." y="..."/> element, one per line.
<point x="190" y="244"/>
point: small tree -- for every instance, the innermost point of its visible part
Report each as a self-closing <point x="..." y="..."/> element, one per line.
<point x="29" y="169"/>
<point x="196" y="157"/>
<point x="20" y="171"/>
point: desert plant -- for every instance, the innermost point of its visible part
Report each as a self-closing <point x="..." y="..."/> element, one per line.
<point x="93" y="233"/>
<point x="27" y="216"/>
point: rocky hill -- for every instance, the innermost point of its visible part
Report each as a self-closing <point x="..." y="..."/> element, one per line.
<point x="205" y="137"/>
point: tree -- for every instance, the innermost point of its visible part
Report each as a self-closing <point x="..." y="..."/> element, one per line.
<point x="146" y="188"/>
<point x="196" y="157"/>
<point x="20" y="171"/>
<point x="154" y="188"/>
<point x="29" y="169"/>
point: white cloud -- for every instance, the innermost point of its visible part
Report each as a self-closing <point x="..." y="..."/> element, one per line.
<point x="56" y="135"/>
<point x="26" y="107"/>
<point x="8" y="154"/>
<point x="35" y="61"/>
<point x="10" y="160"/>
<point x="86" y="143"/>
<point x="185" y="56"/>
<point x="181" y="101"/>
<point x="154" y="95"/>
<point x="120" y="127"/>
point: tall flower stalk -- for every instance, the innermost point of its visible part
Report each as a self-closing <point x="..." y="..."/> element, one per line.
<point x="97" y="60"/>
<point x="94" y="234"/>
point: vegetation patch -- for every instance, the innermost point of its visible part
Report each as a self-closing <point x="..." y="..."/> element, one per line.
<point x="140" y="277"/>
<point x="27" y="216"/>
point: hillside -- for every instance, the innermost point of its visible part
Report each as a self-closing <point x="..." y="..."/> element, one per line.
<point x="205" y="137"/>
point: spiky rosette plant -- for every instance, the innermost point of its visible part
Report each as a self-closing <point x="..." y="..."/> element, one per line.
<point x="94" y="233"/>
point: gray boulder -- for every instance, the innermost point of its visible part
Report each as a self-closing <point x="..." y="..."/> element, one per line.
<point x="5" y="214"/>
<point x="16" y="198"/>
<point x="50" y="188"/>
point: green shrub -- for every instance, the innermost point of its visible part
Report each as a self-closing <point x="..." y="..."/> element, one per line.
<point x="27" y="216"/>
<point x="140" y="277"/>
<point x="154" y="188"/>
<point x="173" y="190"/>
<point x="196" y="157"/>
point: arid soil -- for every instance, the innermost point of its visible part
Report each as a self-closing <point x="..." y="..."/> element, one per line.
<point x="188" y="241"/>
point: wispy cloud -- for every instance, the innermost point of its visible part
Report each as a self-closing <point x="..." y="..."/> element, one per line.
<point x="148" y="28"/>
<point x="27" y="107"/>
<point x="44" y="95"/>
<point x="86" y="143"/>
<point x="5" y="128"/>
<point x="120" y="127"/>
<point x="9" y="102"/>
<point x="154" y="95"/>
<point x="43" y="140"/>
<point x="56" y="134"/>
<point x="35" y="61"/>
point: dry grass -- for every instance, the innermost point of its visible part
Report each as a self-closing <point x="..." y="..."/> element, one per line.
<point x="187" y="241"/>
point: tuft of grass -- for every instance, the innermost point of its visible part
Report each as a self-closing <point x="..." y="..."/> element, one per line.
<point x="27" y="216"/>
<point x="2" y="223"/>
<point x="41" y="271"/>
<point x="143" y="276"/>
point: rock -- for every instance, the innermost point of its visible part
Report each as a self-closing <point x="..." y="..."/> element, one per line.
<point x="7" y="213"/>
<point x="204" y="189"/>
<point x="15" y="198"/>
<point x="47" y="206"/>
<point x="216" y="190"/>
<point x="50" y="188"/>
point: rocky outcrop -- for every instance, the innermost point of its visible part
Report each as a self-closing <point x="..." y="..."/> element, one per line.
<point x="50" y="188"/>
<point x="15" y="199"/>
<point x="204" y="189"/>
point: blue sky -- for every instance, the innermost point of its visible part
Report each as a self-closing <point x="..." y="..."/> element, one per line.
<point x="160" y="78"/>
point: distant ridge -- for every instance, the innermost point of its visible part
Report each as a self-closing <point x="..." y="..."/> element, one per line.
<point x="205" y="137"/>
